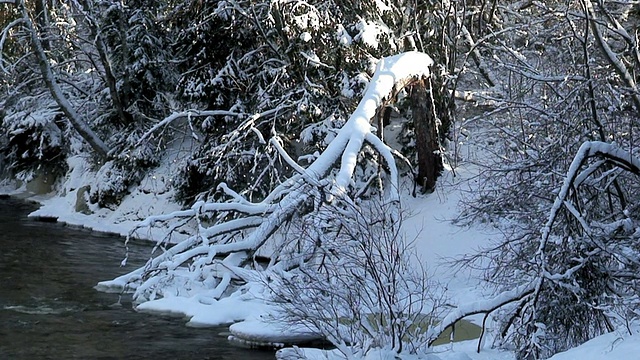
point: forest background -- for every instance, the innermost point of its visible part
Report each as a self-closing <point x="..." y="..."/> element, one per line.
<point x="246" y="87"/>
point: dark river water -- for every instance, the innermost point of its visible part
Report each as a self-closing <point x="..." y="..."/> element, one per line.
<point x="49" y="309"/>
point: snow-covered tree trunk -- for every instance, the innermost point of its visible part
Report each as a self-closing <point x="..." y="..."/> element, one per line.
<point x="79" y="124"/>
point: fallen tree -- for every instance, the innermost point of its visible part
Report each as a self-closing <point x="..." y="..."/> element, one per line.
<point x="232" y="233"/>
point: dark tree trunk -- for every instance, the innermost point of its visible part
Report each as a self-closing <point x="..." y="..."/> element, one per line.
<point x="426" y="126"/>
<point x="109" y="77"/>
<point x="384" y="118"/>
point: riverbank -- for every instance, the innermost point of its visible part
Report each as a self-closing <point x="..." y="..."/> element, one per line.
<point x="427" y="214"/>
<point x="436" y="242"/>
<point x="66" y="201"/>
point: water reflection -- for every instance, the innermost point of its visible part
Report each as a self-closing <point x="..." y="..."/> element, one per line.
<point x="49" y="309"/>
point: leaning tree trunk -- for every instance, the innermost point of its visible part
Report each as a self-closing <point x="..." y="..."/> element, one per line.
<point x="74" y="118"/>
<point x="43" y="23"/>
<point x="426" y="126"/>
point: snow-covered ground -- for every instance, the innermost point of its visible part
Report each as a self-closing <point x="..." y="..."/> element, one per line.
<point x="437" y="241"/>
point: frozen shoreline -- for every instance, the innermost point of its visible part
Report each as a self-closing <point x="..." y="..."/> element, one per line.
<point x="428" y="213"/>
<point x="65" y="201"/>
<point x="436" y="241"/>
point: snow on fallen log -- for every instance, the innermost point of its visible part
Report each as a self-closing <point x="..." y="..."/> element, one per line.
<point x="225" y="249"/>
<point x="392" y="73"/>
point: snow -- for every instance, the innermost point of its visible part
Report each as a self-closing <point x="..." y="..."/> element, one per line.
<point x="615" y="345"/>
<point x="205" y="313"/>
<point x="436" y="239"/>
<point x="369" y="33"/>
<point x="151" y="197"/>
<point x="464" y="350"/>
<point x="305" y="36"/>
<point x="263" y="330"/>
<point x="344" y="39"/>
<point x="389" y="72"/>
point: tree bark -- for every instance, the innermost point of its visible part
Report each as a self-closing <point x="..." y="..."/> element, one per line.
<point x="47" y="74"/>
<point x="425" y="125"/>
<point x="620" y="68"/>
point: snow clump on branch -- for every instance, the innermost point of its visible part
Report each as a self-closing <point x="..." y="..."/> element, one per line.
<point x="219" y="259"/>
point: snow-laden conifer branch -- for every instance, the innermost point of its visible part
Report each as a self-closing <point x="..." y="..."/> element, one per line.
<point x="243" y="227"/>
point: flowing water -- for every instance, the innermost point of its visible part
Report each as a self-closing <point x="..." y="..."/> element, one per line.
<point x="49" y="309"/>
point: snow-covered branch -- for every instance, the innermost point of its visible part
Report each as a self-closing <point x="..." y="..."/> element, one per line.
<point x="3" y="38"/>
<point x="613" y="58"/>
<point x="180" y="115"/>
<point x="588" y="149"/>
<point x="245" y="226"/>
<point x="481" y="307"/>
<point x="79" y="124"/>
<point x="588" y="235"/>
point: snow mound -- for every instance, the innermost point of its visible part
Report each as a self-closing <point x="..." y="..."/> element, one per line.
<point x="615" y="345"/>
<point x="261" y="331"/>
<point x="205" y="312"/>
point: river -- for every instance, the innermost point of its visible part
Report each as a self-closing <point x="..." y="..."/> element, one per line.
<point x="49" y="309"/>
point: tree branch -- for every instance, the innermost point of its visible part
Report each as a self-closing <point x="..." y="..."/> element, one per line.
<point x="620" y="68"/>
<point x="481" y="307"/>
<point x="74" y="118"/>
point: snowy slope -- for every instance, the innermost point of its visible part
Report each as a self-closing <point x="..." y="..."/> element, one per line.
<point x="436" y="243"/>
<point x="618" y="345"/>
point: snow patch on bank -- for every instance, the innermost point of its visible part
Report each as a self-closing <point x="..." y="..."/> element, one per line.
<point x="68" y="203"/>
<point x="263" y="330"/>
<point x="617" y="345"/>
<point x="464" y="350"/>
<point x="206" y="312"/>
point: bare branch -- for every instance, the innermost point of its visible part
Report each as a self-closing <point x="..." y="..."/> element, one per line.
<point x="481" y="307"/>
<point x="3" y="38"/>
<point x="74" y="118"/>
<point x="620" y="68"/>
